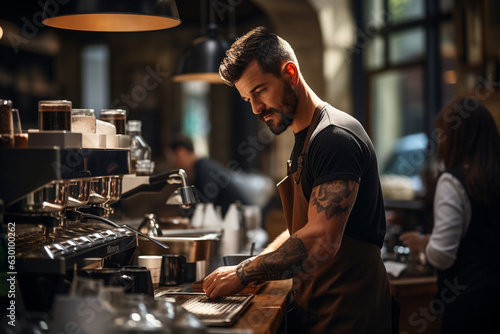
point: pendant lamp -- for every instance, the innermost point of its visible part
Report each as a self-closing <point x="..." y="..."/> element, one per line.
<point x="202" y="58"/>
<point x="111" y="15"/>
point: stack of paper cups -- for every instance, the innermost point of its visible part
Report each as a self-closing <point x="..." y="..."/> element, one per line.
<point x="232" y="230"/>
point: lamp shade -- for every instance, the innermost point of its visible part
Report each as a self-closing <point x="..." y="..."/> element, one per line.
<point x="201" y="60"/>
<point x="111" y="15"/>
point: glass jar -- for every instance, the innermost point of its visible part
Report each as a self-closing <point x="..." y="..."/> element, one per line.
<point x="6" y="124"/>
<point x="117" y="117"/>
<point x="83" y="120"/>
<point x="140" y="151"/>
<point x="20" y="138"/>
<point x="144" y="167"/>
<point x="54" y="115"/>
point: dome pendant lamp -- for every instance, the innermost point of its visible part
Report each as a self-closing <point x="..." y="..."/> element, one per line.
<point x="111" y="15"/>
<point x="202" y="58"/>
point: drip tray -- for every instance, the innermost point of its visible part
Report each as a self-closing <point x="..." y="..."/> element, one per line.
<point x="211" y="312"/>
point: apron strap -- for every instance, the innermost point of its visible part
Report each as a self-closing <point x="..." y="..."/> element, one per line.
<point x="312" y="126"/>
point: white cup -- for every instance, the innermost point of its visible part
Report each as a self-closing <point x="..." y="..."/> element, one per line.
<point x="153" y="263"/>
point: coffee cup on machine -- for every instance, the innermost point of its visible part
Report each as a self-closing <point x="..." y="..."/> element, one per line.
<point x="142" y="279"/>
<point x="153" y="263"/>
<point x="172" y="269"/>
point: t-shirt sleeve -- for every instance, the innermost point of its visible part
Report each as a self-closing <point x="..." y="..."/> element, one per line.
<point x="335" y="154"/>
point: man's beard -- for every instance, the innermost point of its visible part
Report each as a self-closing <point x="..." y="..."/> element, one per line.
<point x="289" y="106"/>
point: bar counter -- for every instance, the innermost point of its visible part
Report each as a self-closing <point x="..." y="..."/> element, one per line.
<point x="266" y="313"/>
<point x="416" y="298"/>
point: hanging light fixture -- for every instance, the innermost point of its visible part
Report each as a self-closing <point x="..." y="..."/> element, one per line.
<point x="112" y="15"/>
<point x="202" y="58"/>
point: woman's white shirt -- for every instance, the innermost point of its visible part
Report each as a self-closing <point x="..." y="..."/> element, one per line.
<point x="452" y="213"/>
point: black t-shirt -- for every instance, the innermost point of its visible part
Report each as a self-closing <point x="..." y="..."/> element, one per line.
<point x="338" y="153"/>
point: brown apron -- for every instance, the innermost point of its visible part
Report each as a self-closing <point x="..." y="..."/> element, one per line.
<point x="345" y="293"/>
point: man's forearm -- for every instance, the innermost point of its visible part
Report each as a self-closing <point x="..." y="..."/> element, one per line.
<point x="281" y="264"/>
<point x="277" y="242"/>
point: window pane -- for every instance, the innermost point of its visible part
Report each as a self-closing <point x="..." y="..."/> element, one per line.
<point x="374" y="13"/>
<point x="95" y="76"/>
<point x="397" y="108"/>
<point x="407" y="45"/>
<point x="196" y="115"/>
<point x="374" y="55"/>
<point x="448" y="55"/>
<point x="406" y="10"/>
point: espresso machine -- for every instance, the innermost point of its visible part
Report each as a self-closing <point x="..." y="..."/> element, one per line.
<point x="59" y="200"/>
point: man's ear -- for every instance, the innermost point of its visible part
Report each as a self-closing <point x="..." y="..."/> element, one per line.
<point x="292" y="72"/>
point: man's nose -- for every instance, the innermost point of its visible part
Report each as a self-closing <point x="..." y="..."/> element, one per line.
<point x="257" y="106"/>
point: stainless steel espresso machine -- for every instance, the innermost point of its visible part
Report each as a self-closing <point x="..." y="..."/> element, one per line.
<point x="58" y="201"/>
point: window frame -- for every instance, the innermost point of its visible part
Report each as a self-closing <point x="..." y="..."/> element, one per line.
<point x="431" y="62"/>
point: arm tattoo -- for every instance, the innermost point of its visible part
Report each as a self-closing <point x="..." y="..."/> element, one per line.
<point x="283" y="263"/>
<point x="333" y="198"/>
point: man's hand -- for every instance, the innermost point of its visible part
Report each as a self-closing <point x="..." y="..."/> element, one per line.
<point x="222" y="282"/>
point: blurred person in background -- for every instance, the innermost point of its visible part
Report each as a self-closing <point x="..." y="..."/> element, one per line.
<point x="464" y="244"/>
<point x="212" y="181"/>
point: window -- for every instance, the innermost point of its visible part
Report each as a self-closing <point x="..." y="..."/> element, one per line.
<point x="399" y="102"/>
<point x="406" y="10"/>
<point x="407" y="57"/>
<point x="406" y="45"/>
<point x="195" y="114"/>
<point x="95" y="77"/>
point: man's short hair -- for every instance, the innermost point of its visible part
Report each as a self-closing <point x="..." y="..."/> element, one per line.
<point x="180" y="140"/>
<point x="268" y="49"/>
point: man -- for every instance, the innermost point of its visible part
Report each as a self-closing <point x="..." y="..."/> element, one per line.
<point x="331" y="198"/>
<point x="212" y="181"/>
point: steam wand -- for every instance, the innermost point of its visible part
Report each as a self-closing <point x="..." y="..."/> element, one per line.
<point x="184" y="196"/>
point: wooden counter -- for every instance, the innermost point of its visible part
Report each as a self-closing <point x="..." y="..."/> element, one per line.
<point x="266" y="313"/>
<point x="268" y="309"/>
<point x="415" y="294"/>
